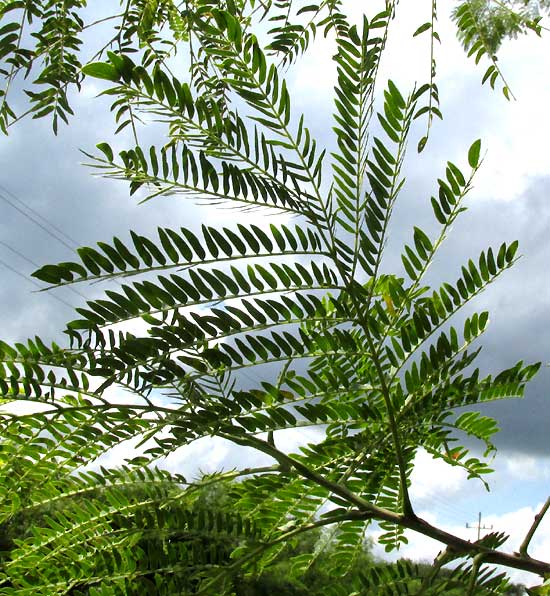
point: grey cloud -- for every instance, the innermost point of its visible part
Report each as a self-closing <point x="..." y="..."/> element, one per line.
<point x="45" y="173"/>
<point x="518" y="301"/>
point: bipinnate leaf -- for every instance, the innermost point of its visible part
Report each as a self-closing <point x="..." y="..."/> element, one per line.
<point x="249" y="331"/>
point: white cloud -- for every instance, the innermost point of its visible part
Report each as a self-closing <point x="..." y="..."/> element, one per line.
<point x="211" y="454"/>
<point x="513" y="133"/>
<point x="117" y="456"/>
<point x="418" y="548"/>
<point x="206" y="455"/>
<point x="290" y="440"/>
<point x="526" y="468"/>
<point x="136" y="326"/>
<point x="516" y="135"/>
<point x="516" y="524"/>
<point x="436" y="489"/>
<point x="433" y="476"/>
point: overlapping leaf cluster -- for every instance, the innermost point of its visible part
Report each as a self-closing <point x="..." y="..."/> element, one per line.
<point x="482" y="26"/>
<point x="368" y="357"/>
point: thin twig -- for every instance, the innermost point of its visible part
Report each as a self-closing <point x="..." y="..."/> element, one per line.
<point x="103" y="20"/>
<point x="444" y="557"/>
<point x="474" y="575"/>
<point x="487" y="48"/>
<point x="529" y="536"/>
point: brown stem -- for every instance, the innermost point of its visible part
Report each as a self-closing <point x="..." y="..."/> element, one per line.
<point x="456" y="544"/>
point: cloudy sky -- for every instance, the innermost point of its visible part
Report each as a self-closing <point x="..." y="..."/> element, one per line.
<point x="43" y="187"/>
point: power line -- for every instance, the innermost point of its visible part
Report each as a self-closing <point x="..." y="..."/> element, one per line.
<point x="36" y="222"/>
<point x="19" y="254"/>
<point x="41" y="226"/>
<point x="442" y="507"/>
<point x="56" y="236"/>
<point x="39" y="215"/>
<point x="24" y="257"/>
<point x="13" y="270"/>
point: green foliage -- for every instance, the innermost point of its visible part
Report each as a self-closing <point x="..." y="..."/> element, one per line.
<point x="152" y="520"/>
<point x="40" y="43"/>
<point x="54" y="54"/>
<point x="201" y="521"/>
<point x="483" y="25"/>
<point x="373" y="359"/>
<point x="495" y="21"/>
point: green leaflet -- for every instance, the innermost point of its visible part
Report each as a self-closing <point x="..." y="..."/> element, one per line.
<point x="101" y="70"/>
<point x="181" y="248"/>
<point x="473" y="153"/>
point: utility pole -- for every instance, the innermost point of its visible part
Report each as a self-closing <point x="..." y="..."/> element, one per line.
<point x="479" y="527"/>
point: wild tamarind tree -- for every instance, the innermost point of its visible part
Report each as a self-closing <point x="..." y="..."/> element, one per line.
<point x="368" y="357"/>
